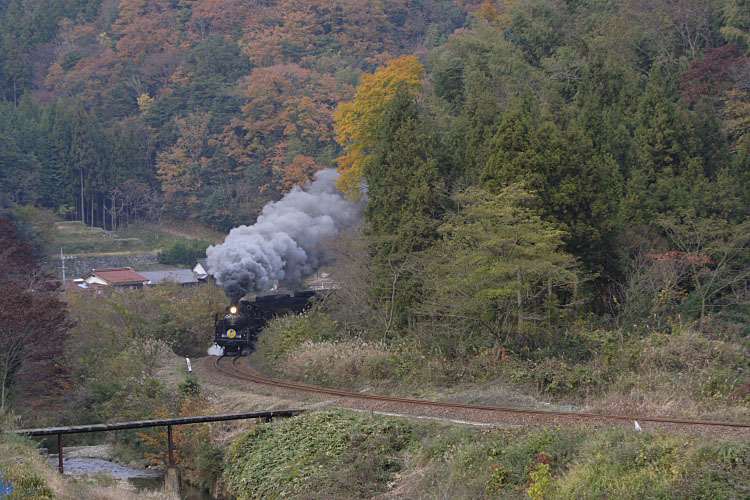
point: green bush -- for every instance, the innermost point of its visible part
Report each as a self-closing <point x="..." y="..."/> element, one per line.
<point x="183" y="252"/>
<point x="20" y="463"/>
<point x="573" y="463"/>
<point x="286" y="334"/>
<point x="190" y="387"/>
<point x="337" y="454"/>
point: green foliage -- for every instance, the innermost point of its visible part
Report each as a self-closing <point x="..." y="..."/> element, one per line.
<point x="285" y="334"/>
<point x="404" y="175"/>
<point x="622" y="464"/>
<point x="576" y="187"/>
<point x="210" y="460"/>
<point x="578" y="463"/>
<point x="121" y="338"/>
<point x="333" y="453"/>
<point x="495" y="269"/>
<point x="20" y="464"/>
<point x="736" y="22"/>
<point x="190" y="387"/>
<point x="183" y="252"/>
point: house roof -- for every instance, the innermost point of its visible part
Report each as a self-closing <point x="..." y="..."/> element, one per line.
<point x="182" y="276"/>
<point x="76" y="284"/>
<point x="119" y="276"/>
<point x="201" y="268"/>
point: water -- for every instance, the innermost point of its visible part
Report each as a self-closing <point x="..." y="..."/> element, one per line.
<point x="142" y="479"/>
<point x="77" y="466"/>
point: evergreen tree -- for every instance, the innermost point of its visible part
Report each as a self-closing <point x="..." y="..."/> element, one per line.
<point x="671" y="169"/>
<point x="53" y="182"/>
<point x="404" y="176"/>
<point x="575" y="187"/>
<point x="736" y="20"/>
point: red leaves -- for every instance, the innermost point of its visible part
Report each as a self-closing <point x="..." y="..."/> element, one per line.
<point x="679" y="256"/>
<point x="712" y="74"/>
<point x="33" y="321"/>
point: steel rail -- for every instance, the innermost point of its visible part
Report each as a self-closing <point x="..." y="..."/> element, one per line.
<point x="260" y="379"/>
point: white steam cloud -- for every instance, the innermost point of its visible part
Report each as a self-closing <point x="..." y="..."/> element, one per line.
<point x="282" y="246"/>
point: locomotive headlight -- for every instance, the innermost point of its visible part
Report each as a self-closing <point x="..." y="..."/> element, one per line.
<point x="233" y="310"/>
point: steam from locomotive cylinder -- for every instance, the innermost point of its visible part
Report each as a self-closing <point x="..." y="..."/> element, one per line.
<point x="282" y="246"/>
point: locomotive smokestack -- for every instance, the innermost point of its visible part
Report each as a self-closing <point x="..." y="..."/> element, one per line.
<point x="282" y="245"/>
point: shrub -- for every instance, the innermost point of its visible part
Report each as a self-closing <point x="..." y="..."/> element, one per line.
<point x="183" y="252"/>
<point x="286" y="334"/>
<point x="337" y="454"/>
<point x="190" y="387"/>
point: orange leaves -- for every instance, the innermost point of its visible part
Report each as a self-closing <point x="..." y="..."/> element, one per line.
<point x="218" y="16"/>
<point x="288" y="115"/>
<point x="180" y="166"/>
<point x="357" y="121"/>
<point x="301" y="170"/>
<point x="145" y="26"/>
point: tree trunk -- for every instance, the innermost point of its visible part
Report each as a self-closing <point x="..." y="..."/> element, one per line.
<point x="520" y="303"/>
<point x="83" y="206"/>
<point x="2" y="391"/>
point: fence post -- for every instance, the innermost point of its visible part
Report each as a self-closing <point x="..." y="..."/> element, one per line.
<point x="169" y="446"/>
<point x="60" y="454"/>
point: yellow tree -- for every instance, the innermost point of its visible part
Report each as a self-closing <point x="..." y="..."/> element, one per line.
<point x="357" y="121"/>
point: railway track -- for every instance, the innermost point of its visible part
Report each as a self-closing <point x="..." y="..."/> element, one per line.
<point x="529" y="416"/>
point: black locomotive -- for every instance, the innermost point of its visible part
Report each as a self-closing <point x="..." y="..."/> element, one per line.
<point x="238" y="328"/>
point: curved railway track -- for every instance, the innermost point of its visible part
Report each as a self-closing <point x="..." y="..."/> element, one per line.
<point x="252" y="376"/>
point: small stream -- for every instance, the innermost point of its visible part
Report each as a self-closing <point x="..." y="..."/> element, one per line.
<point x="141" y="479"/>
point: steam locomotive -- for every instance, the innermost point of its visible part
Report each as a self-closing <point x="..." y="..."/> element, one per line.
<point x="238" y="328"/>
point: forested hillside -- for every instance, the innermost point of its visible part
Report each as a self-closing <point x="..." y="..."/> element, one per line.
<point x="207" y="109"/>
<point x="534" y="168"/>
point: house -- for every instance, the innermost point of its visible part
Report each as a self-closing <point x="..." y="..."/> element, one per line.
<point x="78" y="284"/>
<point x="75" y="285"/>
<point x="184" y="277"/>
<point x="200" y="270"/>
<point x="320" y="280"/>
<point x="121" y="277"/>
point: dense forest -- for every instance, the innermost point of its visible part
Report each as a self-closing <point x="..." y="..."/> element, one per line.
<point x="526" y="162"/>
<point x="556" y="206"/>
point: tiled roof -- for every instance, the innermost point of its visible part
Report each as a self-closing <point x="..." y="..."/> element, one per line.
<point x="118" y="276"/>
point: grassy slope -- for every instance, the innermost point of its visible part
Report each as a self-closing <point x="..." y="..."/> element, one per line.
<point x="686" y="375"/>
<point x="340" y="454"/>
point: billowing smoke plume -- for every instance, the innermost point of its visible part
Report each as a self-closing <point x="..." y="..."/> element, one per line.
<point x="282" y="245"/>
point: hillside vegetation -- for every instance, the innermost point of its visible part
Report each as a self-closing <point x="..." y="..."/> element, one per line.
<point x="337" y="454"/>
<point x="556" y="198"/>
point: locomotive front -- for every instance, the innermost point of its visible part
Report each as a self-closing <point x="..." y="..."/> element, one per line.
<point x="237" y="330"/>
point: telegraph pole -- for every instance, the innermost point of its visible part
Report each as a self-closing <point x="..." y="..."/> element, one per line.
<point x="62" y="261"/>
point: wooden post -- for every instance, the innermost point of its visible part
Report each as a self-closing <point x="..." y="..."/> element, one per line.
<point x="169" y="447"/>
<point x="60" y="454"/>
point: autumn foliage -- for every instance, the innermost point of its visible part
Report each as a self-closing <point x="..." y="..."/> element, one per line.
<point x="33" y="320"/>
<point x="357" y="121"/>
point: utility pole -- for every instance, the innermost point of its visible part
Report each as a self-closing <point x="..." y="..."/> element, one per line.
<point x="62" y="261"/>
